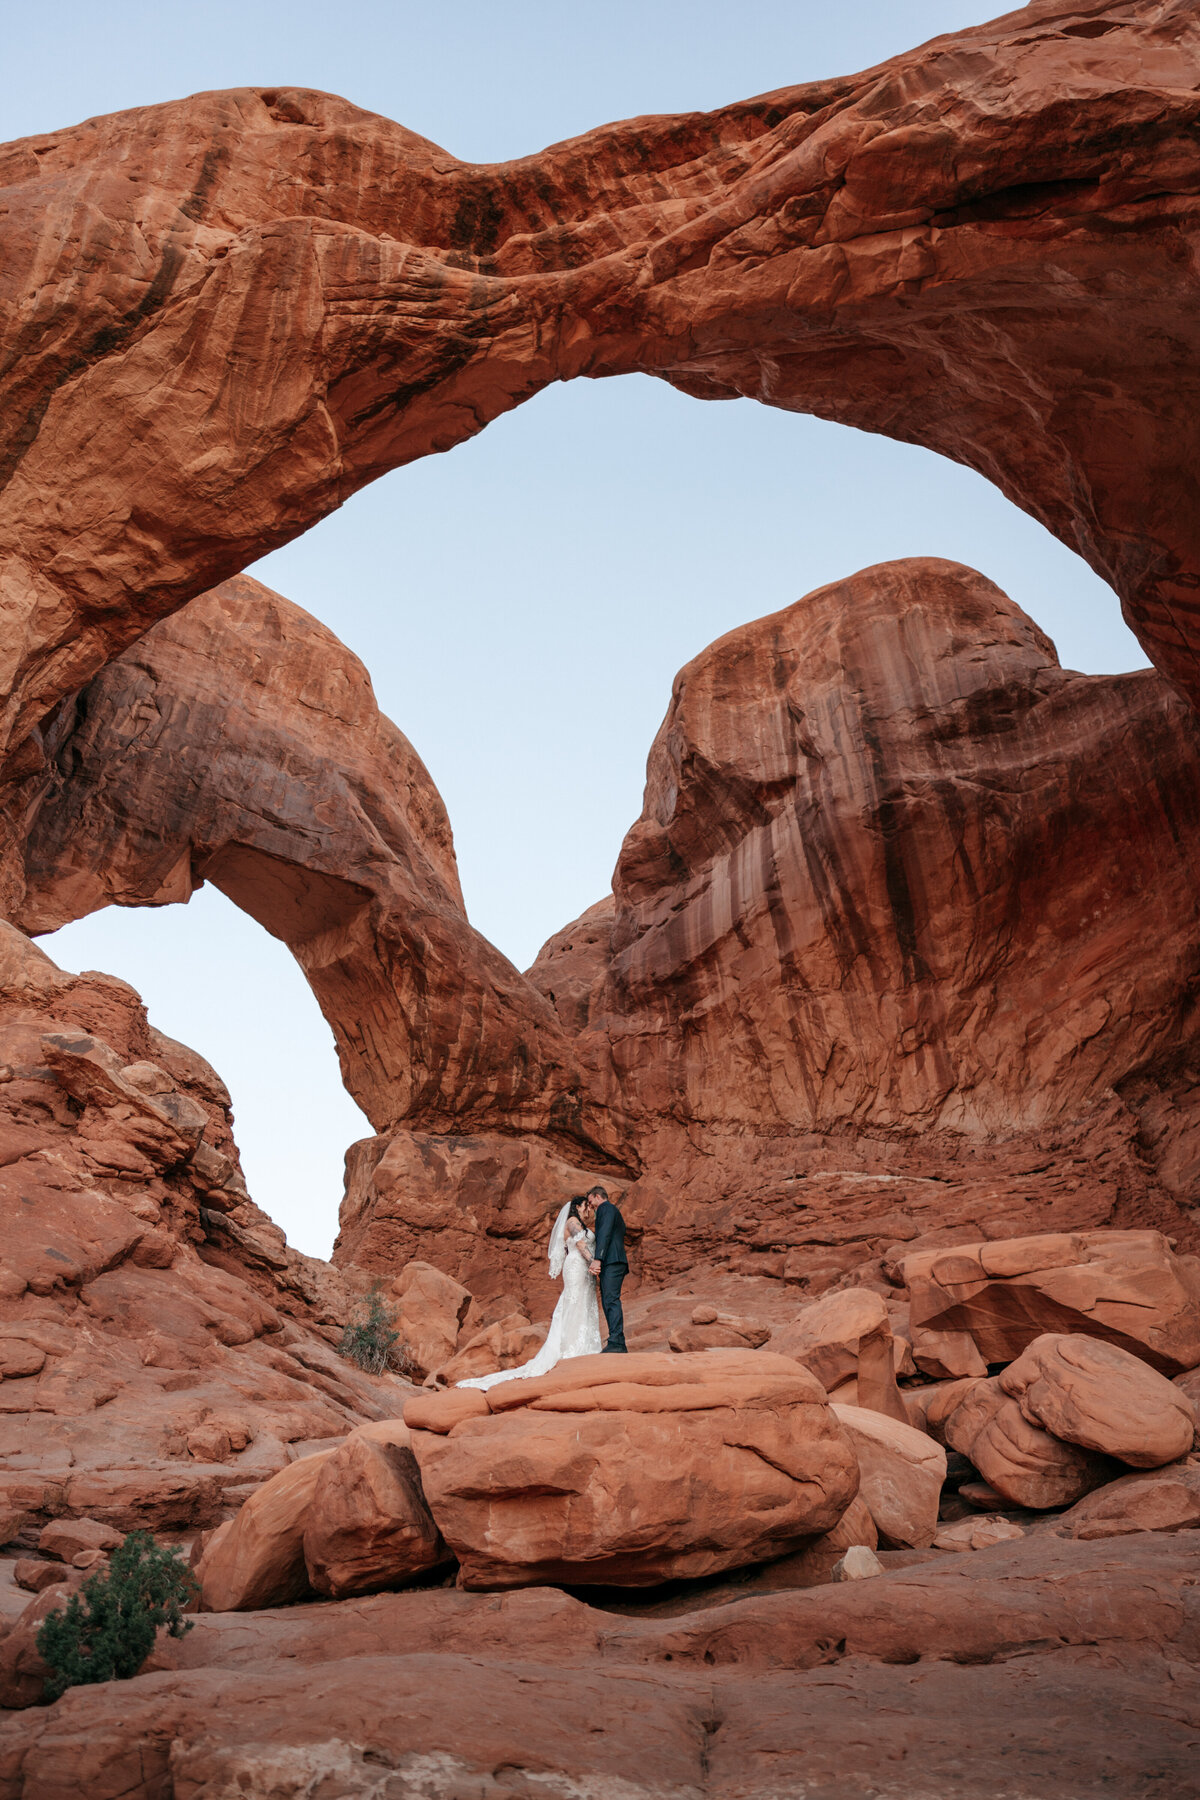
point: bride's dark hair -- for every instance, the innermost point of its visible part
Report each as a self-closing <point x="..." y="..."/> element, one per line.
<point x="573" y="1212"/>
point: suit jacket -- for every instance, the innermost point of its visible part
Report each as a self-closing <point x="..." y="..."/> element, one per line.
<point x="610" y="1236"/>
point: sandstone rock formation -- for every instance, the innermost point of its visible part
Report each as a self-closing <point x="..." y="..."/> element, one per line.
<point x="898" y="969"/>
<point x="240" y="743"/>
<point x="162" y="1348"/>
<point x="901" y="1472"/>
<point x="1102" y="1398"/>
<point x="931" y="248"/>
<point x="1025" y="1464"/>
<point x="635" y="1470"/>
<point x="258" y="1558"/>
<point x="878" y="943"/>
<point x="979" y="1009"/>
<point x="367" y="1525"/>
<point x="1167" y="1499"/>
<point x="1123" y="1286"/>
<point x="823" y="1690"/>
<point x="430" y="1315"/>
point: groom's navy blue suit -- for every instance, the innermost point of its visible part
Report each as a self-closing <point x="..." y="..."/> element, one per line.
<point x="610" y="1254"/>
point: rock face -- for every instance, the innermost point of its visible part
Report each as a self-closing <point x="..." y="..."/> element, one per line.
<point x="866" y="936"/>
<point x="479" y="1205"/>
<point x="659" y="1467"/>
<point x="930" y="248"/>
<point x="429" y="1317"/>
<point x="163" y="1349"/>
<point x="1102" y="1398"/>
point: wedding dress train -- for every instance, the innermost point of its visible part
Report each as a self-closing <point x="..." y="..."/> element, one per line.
<point x="575" y="1327"/>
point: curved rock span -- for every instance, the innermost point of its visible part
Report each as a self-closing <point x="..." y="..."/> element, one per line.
<point x="240" y="743"/>
<point x="226" y="314"/>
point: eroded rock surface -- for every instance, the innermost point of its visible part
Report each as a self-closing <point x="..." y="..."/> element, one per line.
<point x="240" y="743"/>
<point x="163" y="1350"/>
<point x="827" y="1691"/>
<point x="982" y="246"/>
<point x="633" y="1470"/>
<point x="1125" y="1287"/>
<point x="1098" y="1396"/>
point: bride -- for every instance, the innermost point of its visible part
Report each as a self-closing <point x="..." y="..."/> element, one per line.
<point x="575" y="1327"/>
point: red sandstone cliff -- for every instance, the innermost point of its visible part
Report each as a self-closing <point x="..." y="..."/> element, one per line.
<point x="904" y="943"/>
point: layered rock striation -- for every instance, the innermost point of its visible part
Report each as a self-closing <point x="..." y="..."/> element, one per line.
<point x="902" y="951"/>
<point x="162" y="1350"/>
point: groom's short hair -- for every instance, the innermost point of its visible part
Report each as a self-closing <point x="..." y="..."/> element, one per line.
<point x="603" y="1192"/>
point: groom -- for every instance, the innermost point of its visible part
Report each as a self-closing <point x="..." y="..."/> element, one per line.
<point x="610" y="1265"/>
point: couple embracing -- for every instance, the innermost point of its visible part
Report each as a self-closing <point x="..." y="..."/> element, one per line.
<point x="587" y="1246"/>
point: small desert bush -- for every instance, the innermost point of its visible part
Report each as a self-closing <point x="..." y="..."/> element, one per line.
<point x="371" y="1339"/>
<point x="107" y="1629"/>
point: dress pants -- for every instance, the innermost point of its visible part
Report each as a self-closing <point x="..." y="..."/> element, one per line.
<point x="611" y="1277"/>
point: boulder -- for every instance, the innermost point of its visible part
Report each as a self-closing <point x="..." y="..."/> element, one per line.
<point x="19" y="1357"/>
<point x="712" y="1329"/>
<point x="901" y="1473"/>
<point x="946" y="1355"/>
<point x="259" y="1561"/>
<point x="1097" y="1395"/>
<point x="983" y="1496"/>
<point x="633" y="1470"/>
<point x="1166" y="1499"/>
<point x="432" y="1308"/>
<point x="813" y="1565"/>
<point x="976" y="1534"/>
<point x="65" y="1538"/>
<point x="12" y="1522"/>
<point x="1025" y="1464"/>
<point x="22" y="1671"/>
<point x="825" y="1335"/>
<point x="367" y="1525"/>
<point x="1189" y="1384"/>
<point x="1126" y="1287"/>
<point x="857" y="1564"/>
<point x="34" y="1575"/>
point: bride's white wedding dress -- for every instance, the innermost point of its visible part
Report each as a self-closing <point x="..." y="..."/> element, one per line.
<point x="575" y="1327"/>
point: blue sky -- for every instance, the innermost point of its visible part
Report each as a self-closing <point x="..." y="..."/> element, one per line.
<point x="524" y="602"/>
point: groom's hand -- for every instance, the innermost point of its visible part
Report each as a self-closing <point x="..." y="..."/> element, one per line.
<point x="593" y="1268"/>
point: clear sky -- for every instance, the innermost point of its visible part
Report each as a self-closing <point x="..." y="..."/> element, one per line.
<point x="524" y="602"/>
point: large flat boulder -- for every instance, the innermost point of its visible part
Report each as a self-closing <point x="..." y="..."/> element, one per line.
<point x="1126" y="1287"/>
<point x="1097" y="1395"/>
<point x="367" y="1526"/>
<point x="634" y="1470"/>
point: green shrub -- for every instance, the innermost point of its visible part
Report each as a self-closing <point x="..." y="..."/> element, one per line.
<point x="370" y="1338"/>
<point x="108" y="1628"/>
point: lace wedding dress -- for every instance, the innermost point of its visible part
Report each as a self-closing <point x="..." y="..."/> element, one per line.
<point x="575" y="1327"/>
